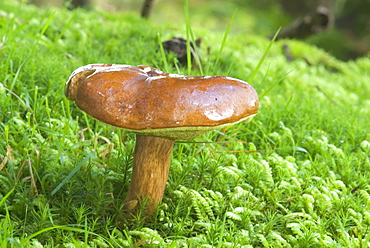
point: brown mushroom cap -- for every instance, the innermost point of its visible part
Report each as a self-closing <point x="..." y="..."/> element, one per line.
<point x="148" y="101"/>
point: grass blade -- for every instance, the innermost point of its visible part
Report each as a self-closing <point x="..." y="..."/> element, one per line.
<point x="70" y="175"/>
<point x="67" y="228"/>
<point x="163" y="54"/>
<point x="224" y="39"/>
<point x="187" y="26"/>
<point x="196" y="54"/>
<point x="263" y="57"/>
<point x="47" y="24"/>
<point x="6" y="196"/>
<point x="273" y="86"/>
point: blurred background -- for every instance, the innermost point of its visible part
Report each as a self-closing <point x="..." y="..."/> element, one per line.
<point x="341" y="27"/>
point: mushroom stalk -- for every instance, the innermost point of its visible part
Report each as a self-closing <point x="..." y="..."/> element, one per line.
<point x="178" y="107"/>
<point x="150" y="172"/>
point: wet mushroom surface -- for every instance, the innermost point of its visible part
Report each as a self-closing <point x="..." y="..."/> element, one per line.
<point x="160" y="108"/>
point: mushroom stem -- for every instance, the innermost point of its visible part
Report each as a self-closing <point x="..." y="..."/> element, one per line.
<point x="150" y="172"/>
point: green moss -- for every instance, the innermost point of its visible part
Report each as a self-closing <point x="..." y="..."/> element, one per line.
<point x="297" y="175"/>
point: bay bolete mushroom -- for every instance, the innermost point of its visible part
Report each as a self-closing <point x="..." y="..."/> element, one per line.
<point x="160" y="108"/>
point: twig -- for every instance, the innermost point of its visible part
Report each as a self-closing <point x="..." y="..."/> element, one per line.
<point x="245" y="151"/>
<point x="147" y="8"/>
<point x="287" y="52"/>
<point x="16" y="96"/>
<point x="325" y="94"/>
<point x="3" y="163"/>
<point x="310" y="24"/>
<point x="33" y="189"/>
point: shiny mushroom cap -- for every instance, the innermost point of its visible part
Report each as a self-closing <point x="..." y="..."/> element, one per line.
<point x="148" y="101"/>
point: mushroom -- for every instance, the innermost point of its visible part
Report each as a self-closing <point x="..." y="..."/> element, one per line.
<point x="160" y="108"/>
